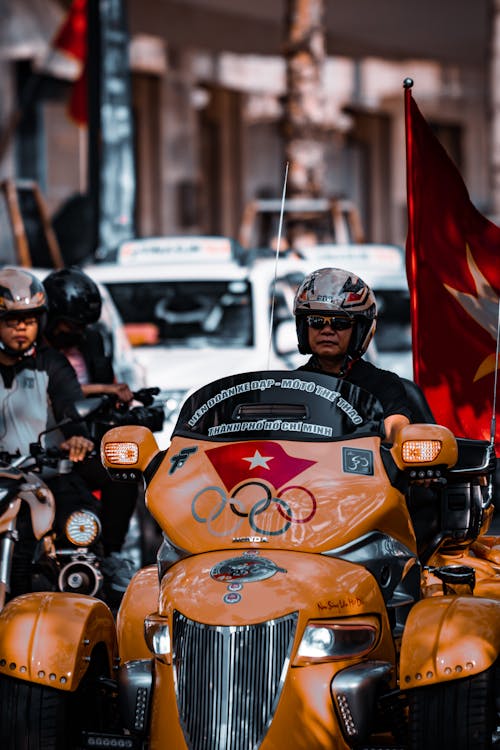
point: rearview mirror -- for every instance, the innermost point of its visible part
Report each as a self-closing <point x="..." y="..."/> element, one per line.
<point x="87" y="406"/>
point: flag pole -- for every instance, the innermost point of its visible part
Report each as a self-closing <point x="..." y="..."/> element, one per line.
<point x="278" y="248"/>
<point x="495" y="386"/>
<point x="411" y="243"/>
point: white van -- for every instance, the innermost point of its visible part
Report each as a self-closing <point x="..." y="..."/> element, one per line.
<point x="192" y="310"/>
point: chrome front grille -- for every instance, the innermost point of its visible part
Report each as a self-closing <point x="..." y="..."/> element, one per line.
<point x="229" y="679"/>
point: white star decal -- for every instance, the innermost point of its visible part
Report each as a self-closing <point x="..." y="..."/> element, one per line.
<point x="483" y="308"/>
<point x="258" y="460"/>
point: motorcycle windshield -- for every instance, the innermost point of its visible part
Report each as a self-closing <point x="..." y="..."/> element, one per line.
<point x="281" y="405"/>
<point x="288" y="460"/>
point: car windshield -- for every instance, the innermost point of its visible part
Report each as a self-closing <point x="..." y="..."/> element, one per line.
<point x="283" y="405"/>
<point x="195" y="314"/>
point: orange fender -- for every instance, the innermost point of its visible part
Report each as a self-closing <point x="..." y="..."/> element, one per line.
<point x="449" y="637"/>
<point x="48" y="637"/>
<point x="139" y="600"/>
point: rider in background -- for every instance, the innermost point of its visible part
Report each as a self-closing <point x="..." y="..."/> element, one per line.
<point x="335" y="313"/>
<point x="74" y="309"/>
<point x="38" y="388"/>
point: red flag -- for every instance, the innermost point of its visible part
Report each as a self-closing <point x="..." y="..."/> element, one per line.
<point x="257" y="459"/>
<point x="72" y="39"/>
<point x="453" y="268"/>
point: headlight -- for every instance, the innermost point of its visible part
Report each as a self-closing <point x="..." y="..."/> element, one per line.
<point x="82" y="528"/>
<point x="157" y="635"/>
<point x="330" y="641"/>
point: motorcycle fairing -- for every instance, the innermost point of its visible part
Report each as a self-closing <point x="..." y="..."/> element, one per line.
<point x="10" y="481"/>
<point x="48" y="637"/>
<point x="449" y="637"/>
<point x="39" y="498"/>
<point x="139" y="600"/>
<point x="9" y="514"/>
<point x="297" y="585"/>
<point x="278" y="493"/>
<point x="313" y="586"/>
<point x="41" y="504"/>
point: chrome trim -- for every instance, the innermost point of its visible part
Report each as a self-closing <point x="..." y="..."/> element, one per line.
<point x="228" y="679"/>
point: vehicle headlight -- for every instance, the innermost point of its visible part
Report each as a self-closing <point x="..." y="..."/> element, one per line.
<point x="172" y="401"/>
<point x="329" y="641"/>
<point x="82" y="528"/>
<point x="157" y="635"/>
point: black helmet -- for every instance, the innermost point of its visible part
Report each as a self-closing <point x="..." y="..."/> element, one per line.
<point x="336" y="292"/>
<point x="72" y="296"/>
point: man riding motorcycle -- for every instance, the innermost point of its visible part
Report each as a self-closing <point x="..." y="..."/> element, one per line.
<point x="336" y="315"/>
<point x="37" y="389"/>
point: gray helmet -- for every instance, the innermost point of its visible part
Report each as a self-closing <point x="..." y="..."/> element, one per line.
<point x="333" y="291"/>
<point x="21" y="293"/>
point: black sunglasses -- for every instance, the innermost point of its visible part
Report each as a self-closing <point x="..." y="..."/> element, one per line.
<point x="336" y="323"/>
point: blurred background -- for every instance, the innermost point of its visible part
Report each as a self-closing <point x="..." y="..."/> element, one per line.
<point x="196" y="106"/>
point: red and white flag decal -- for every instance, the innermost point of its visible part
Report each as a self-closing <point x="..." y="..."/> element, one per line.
<point x="257" y="459"/>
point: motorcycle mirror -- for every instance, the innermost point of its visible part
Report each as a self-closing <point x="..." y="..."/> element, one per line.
<point x="82" y="409"/>
<point x="35" y="447"/>
<point x="88" y="406"/>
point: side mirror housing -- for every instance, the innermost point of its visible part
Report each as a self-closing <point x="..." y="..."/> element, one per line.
<point x="421" y="446"/>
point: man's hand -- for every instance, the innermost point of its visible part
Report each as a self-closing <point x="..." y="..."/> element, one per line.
<point x="121" y="391"/>
<point x="78" y="447"/>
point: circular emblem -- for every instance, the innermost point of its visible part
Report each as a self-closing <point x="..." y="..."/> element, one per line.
<point x="244" y="569"/>
<point x="232" y="598"/>
<point x="235" y="587"/>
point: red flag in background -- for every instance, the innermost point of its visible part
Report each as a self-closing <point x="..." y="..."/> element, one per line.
<point x="453" y="268"/>
<point x="72" y="39"/>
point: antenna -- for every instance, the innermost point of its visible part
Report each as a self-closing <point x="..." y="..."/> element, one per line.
<point x="493" y="426"/>
<point x="278" y="243"/>
<point x="495" y="384"/>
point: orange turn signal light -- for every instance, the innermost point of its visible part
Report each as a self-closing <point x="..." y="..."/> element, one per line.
<point x="121" y="454"/>
<point x="420" y="451"/>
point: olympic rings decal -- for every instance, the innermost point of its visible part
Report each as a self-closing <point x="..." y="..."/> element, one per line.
<point x="239" y="511"/>
<point x="311" y="497"/>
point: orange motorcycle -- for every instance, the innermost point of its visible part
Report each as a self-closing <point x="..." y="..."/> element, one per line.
<point x="316" y="588"/>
